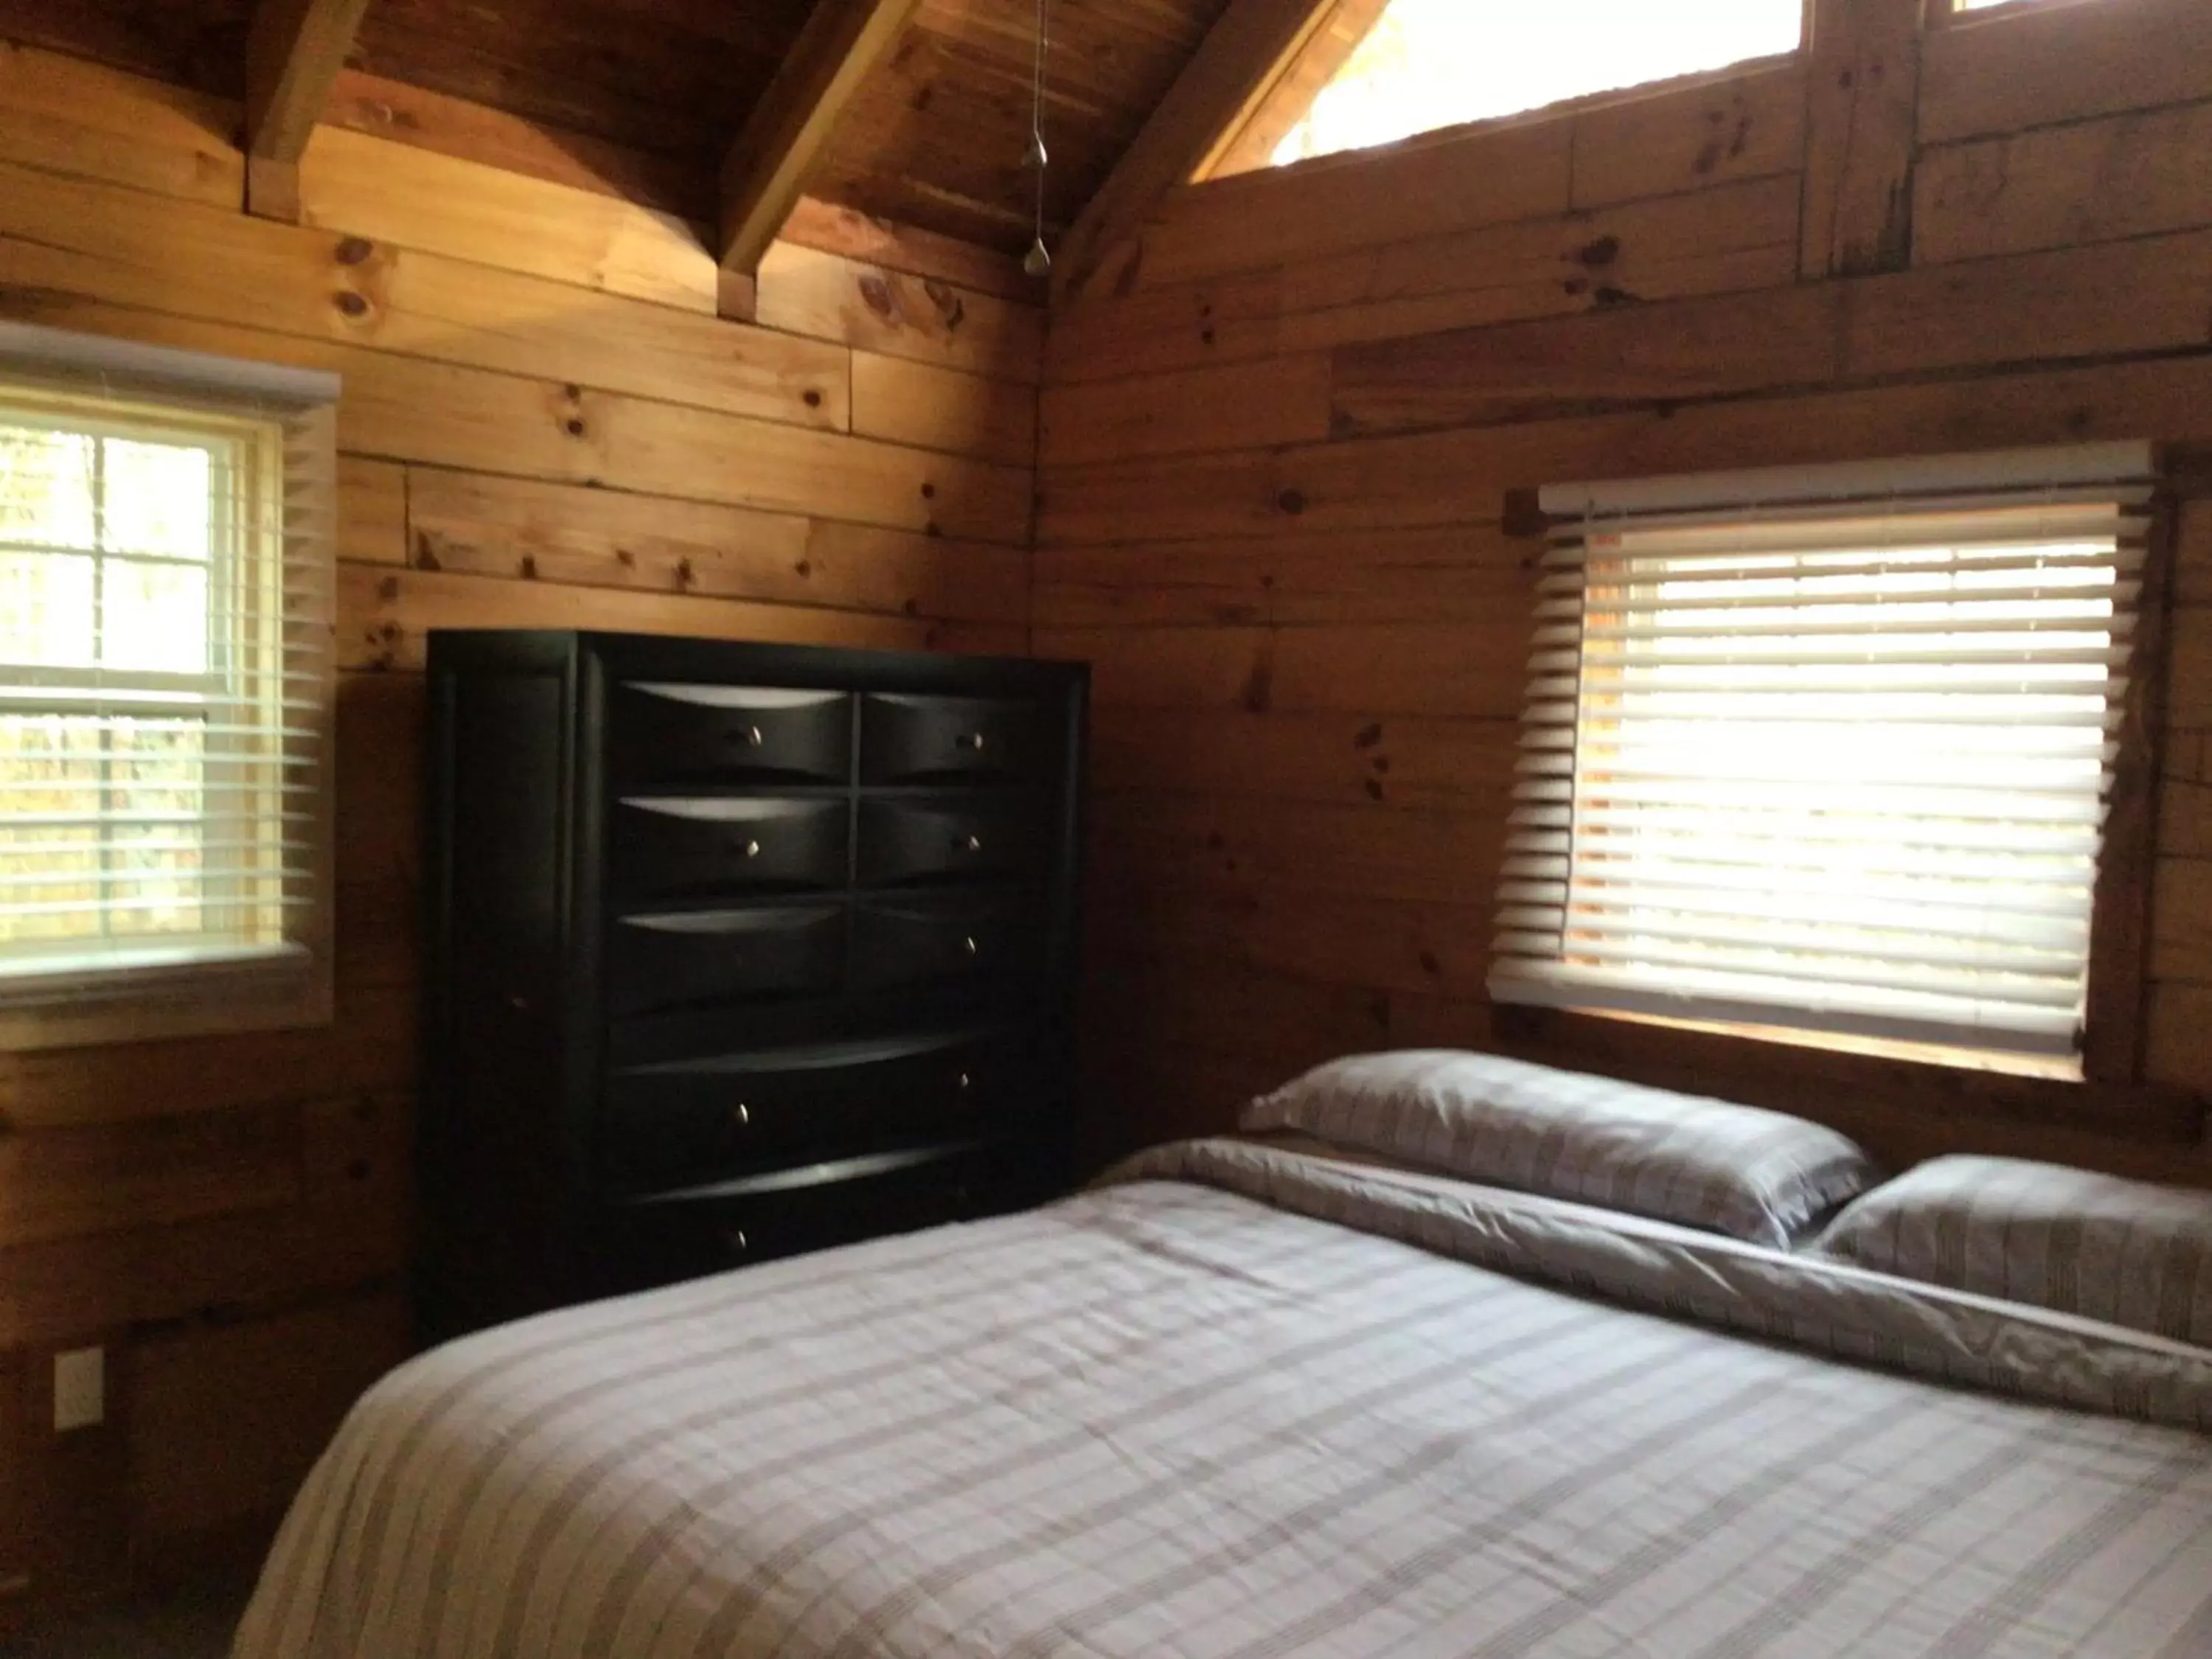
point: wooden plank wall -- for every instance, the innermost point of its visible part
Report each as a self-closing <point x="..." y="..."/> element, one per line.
<point x="544" y="423"/>
<point x="1275" y="460"/>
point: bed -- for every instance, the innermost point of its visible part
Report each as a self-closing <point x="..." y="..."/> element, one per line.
<point x="1254" y="1399"/>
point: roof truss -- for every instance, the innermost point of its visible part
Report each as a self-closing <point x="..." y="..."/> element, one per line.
<point x="767" y="169"/>
<point x="1256" y="70"/>
<point x="293" y="56"/>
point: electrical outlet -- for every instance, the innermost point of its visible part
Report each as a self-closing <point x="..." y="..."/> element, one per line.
<point x="80" y="1390"/>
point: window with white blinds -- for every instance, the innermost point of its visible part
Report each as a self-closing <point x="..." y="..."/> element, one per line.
<point x="167" y="536"/>
<point x="1827" y="749"/>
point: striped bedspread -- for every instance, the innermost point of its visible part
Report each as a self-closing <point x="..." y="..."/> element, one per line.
<point x="1185" y="1415"/>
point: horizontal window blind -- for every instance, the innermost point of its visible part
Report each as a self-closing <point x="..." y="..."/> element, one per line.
<point x="1827" y="749"/>
<point x="167" y="528"/>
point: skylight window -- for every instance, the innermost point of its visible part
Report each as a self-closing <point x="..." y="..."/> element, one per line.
<point x="1431" y="64"/>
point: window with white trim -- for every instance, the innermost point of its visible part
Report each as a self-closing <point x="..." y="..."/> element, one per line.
<point x="167" y="536"/>
<point x="1830" y="749"/>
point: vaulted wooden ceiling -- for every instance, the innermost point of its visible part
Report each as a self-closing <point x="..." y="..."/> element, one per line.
<point x="934" y="138"/>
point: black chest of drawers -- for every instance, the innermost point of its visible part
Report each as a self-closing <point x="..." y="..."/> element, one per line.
<point x="734" y="951"/>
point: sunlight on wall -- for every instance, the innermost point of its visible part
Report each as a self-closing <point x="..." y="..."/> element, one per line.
<point x="1431" y="64"/>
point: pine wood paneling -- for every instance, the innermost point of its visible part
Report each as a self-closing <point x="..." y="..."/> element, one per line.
<point x="347" y="1229"/>
<point x="387" y="615"/>
<point x="1439" y="668"/>
<point x="1310" y="651"/>
<point x="471" y="524"/>
<point x="364" y="186"/>
<point x="1723" y="239"/>
<point x="2149" y="296"/>
<point x="803" y="290"/>
<point x="372" y="511"/>
<point x="2044" y="66"/>
<point x="344" y="287"/>
<point x="2099" y="181"/>
<point x="1523" y="371"/>
<point x="1736" y="126"/>
<point x="88" y="121"/>
<point x="65" y="1182"/>
<point x="368" y="1045"/>
<point x="1426" y="761"/>
<point x="1272" y="400"/>
<point x="1327" y="205"/>
<point x="1462" y="572"/>
<point x="1462" y="475"/>
<point x="931" y="408"/>
<point x="857" y="236"/>
<point x="204" y="1455"/>
<point x="540" y="424"/>
<point x="1419" y="856"/>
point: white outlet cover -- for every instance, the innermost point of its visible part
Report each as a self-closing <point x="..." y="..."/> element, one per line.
<point x="80" y="1390"/>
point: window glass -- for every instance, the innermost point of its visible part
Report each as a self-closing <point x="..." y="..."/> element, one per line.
<point x="142" y="778"/>
<point x="1431" y="64"/>
<point x="1841" y="769"/>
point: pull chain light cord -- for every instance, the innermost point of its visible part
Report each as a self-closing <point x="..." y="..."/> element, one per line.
<point x="1039" y="259"/>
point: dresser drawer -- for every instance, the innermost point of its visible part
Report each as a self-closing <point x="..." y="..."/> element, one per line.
<point x="921" y="937"/>
<point x="713" y="956"/>
<point x="683" y="1122"/>
<point x="810" y="1208"/>
<point x="948" y="837"/>
<point x="664" y="847"/>
<point x="916" y="738"/>
<point x="672" y="733"/>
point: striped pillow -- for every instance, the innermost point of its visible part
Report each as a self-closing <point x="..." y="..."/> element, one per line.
<point x="2125" y="1252"/>
<point x="1753" y="1174"/>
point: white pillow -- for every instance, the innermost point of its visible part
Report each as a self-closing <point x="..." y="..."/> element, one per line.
<point x="2126" y="1252"/>
<point x="1751" y="1174"/>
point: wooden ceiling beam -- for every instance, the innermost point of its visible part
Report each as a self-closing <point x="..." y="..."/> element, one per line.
<point x="1242" y="58"/>
<point x="293" y="56"/>
<point x="767" y="169"/>
<point x="1250" y="144"/>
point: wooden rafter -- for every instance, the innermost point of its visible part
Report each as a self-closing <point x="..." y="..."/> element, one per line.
<point x="1863" y="136"/>
<point x="293" y="56"/>
<point x="767" y="167"/>
<point x="1243" y="57"/>
<point x="1284" y="103"/>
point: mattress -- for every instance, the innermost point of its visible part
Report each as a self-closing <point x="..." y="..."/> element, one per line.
<point x="1250" y="1402"/>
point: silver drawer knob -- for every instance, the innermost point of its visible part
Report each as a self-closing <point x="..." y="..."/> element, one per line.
<point x="969" y="945"/>
<point x="967" y="1082"/>
<point x="975" y="844"/>
<point x="752" y="849"/>
<point x="744" y="1114"/>
<point x="753" y="738"/>
<point x="735" y="1240"/>
<point x="973" y="740"/>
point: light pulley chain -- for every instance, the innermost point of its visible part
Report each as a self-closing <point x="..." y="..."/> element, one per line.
<point x="1039" y="259"/>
